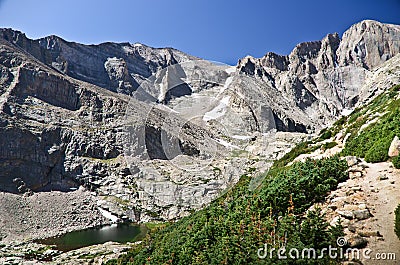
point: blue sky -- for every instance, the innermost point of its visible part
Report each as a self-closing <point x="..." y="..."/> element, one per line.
<point x="211" y="29"/>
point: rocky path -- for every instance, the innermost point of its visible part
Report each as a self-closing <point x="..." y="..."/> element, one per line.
<point x="385" y="181"/>
<point x="365" y="204"/>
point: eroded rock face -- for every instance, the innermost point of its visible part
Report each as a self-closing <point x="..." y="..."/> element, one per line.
<point x="29" y="157"/>
<point x="368" y="44"/>
<point x="114" y="66"/>
<point x="58" y="132"/>
<point x="49" y="88"/>
<point x="324" y="77"/>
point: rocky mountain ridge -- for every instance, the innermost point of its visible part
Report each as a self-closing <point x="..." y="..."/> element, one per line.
<point x="118" y="67"/>
<point x="65" y="107"/>
<point x="327" y="76"/>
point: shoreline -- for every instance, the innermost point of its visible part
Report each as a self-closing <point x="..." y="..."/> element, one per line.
<point x="46" y="214"/>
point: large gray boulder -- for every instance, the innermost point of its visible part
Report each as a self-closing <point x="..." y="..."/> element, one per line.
<point x="394" y="148"/>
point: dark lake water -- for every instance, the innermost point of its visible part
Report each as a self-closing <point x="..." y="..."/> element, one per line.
<point x="121" y="233"/>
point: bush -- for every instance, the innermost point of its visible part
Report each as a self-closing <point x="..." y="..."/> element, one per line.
<point x="308" y="181"/>
<point x="396" y="162"/>
<point x="325" y="134"/>
<point x="379" y="151"/>
<point x="397" y="221"/>
<point x="329" y="145"/>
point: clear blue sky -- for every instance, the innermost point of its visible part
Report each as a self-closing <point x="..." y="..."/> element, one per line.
<point x="212" y="29"/>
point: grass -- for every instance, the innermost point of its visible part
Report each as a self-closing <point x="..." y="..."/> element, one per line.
<point x="38" y="254"/>
<point x="372" y="143"/>
<point x="327" y="133"/>
<point x="154" y="227"/>
<point x="328" y="145"/>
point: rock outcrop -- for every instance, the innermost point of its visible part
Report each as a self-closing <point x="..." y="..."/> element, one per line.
<point x="324" y="77"/>
<point x="115" y="66"/>
<point x="369" y="44"/>
<point x="58" y="133"/>
<point x="394" y="148"/>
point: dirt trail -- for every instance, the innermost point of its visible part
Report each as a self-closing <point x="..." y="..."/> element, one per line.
<point x="383" y="196"/>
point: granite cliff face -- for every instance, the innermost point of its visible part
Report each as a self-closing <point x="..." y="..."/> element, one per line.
<point x="324" y="77"/>
<point x="65" y="107"/>
<point x="368" y="44"/>
<point x="118" y="67"/>
<point x="47" y="119"/>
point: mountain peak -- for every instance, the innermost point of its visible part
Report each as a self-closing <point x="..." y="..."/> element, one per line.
<point x="369" y="43"/>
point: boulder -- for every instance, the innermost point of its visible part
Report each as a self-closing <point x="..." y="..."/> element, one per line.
<point x="352" y="228"/>
<point x="335" y="221"/>
<point x="366" y="233"/>
<point x="351" y="160"/>
<point x="394" y="148"/>
<point x="383" y="177"/>
<point x="346" y="214"/>
<point x="357" y="242"/>
<point x="362" y="206"/>
<point x="362" y="214"/>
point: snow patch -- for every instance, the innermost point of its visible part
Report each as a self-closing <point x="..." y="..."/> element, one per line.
<point x="230" y="70"/>
<point x="225" y="100"/>
<point x="228" y="82"/>
<point x="108" y="215"/>
<point x="226" y="144"/>
<point x="218" y="111"/>
<point x="127" y="49"/>
<point x="241" y="137"/>
<point x="163" y="87"/>
<point x="346" y="112"/>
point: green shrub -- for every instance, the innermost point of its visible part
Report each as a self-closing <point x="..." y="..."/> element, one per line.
<point x="397" y="221"/>
<point x="325" y="134"/>
<point x="396" y="162"/>
<point x="329" y="145"/>
<point x="355" y="115"/>
<point x="339" y="123"/>
<point x="308" y="182"/>
<point x="378" y="152"/>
